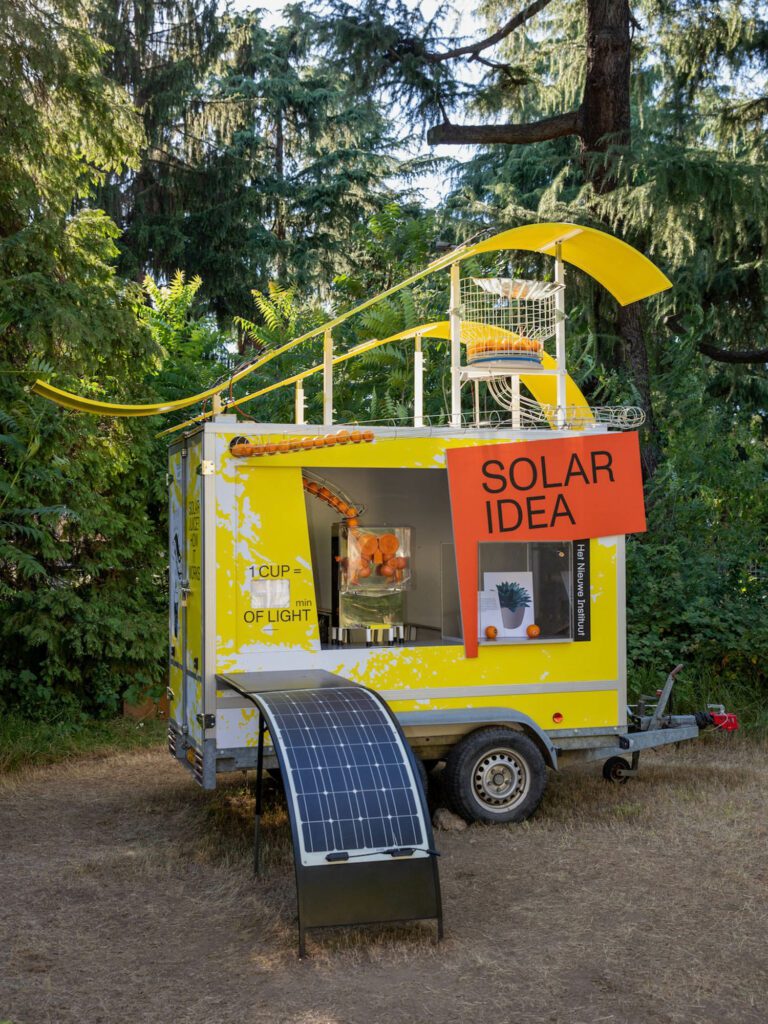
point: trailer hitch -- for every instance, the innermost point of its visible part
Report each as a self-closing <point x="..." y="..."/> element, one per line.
<point x="718" y="717"/>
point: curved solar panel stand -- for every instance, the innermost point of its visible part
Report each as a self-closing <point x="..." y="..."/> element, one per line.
<point x="362" y="837"/>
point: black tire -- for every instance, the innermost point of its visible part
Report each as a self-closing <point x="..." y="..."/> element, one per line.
<point x="495" y="775"/>
<point x="423" y="775"/>
<point x="612" y="767"/>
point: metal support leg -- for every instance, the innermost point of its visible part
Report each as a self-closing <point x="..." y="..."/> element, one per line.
<point x="327" y="379"/>
<point x="454" y="314"/>
<point x="516" y="418"/>
<point x="418" y="384"/>
<point x="259" y="779"/>
<point x="664" y="698"/>
<point x="562" y="370"/>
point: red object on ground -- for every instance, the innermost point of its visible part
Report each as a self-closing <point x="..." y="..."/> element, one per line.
<point x="727" y="721"/>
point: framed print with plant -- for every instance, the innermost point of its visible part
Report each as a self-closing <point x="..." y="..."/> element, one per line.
<point x="514" y="591"/>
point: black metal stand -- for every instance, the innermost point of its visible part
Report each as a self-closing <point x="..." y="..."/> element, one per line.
<point x="259" y="787"/>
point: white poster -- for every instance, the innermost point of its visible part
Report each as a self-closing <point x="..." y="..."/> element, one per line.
<point x="514" y="612"/>
<point x="488" y="612"/>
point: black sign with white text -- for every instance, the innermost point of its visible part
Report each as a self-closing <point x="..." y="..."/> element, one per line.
<point x="582" y="623"/>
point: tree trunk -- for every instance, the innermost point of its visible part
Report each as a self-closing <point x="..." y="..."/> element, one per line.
<point x="280" y="227"/>
<point x="635" y="359"/>
<point x="605" y="107"/>
<point x="606" y="120"/>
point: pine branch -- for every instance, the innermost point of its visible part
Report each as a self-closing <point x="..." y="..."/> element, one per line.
<point x="473" y="49"/>
<point x="448" y="134"/>
<point x="759" y="355"/>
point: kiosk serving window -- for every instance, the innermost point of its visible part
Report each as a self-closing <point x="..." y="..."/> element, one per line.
<point x="526" y="584"/>
<point x="519" y="585"/>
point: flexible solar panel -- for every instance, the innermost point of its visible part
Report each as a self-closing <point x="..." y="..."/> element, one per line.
<point x="351" y="783"/>
<point x="362" y="838"/>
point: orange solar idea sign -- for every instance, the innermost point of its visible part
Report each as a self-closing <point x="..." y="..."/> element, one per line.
<point x="558" y="490"/>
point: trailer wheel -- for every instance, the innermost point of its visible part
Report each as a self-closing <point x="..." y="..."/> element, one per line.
<point x="494" y="775"/>
<point x="612" y="767"/>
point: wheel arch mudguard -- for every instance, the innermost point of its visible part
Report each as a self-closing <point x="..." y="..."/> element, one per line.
<point x="484" y="716"/>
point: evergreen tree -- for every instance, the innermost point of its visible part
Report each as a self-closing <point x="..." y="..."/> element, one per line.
<point x="160" y="52"/>
<point x="79" y="555"/>
<point x="299" y="161"/>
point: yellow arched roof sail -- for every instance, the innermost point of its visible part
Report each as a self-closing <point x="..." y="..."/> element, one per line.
<point x="620" y="269"/>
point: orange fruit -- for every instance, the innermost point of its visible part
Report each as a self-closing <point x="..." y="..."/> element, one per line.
<point x="533" y="631"/>
<point x="353" y="523"/>
<point x="368" y="544"/>
<point x="491" y="632"/>
<point x="342" y="436"/>
<point x="385" y="570"/>
<point x="367" y="435"/>
<point x="330" y="439"/>
<point x="355" y="437"/>
<point x="364" y="572"/>
<point x="318" y="442"/>
<point x="313" y="488"/>
<point x="389" y="543"/>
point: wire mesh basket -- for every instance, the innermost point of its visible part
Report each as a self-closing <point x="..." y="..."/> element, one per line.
<point x="507" y="320"/>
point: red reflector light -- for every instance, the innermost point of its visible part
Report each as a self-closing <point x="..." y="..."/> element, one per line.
<point x="557" y="718"/>
<point x="727" y="721"/>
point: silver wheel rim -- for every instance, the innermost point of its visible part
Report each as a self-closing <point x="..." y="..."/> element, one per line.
<point x="501" y="780"/>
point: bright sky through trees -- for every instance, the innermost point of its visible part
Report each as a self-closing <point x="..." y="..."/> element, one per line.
<point x="466" y="24"/>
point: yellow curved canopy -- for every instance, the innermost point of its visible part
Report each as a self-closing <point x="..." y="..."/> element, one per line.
<point x="620" y="269"/>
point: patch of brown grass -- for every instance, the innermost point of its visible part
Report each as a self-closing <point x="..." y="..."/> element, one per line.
<point x="132" y="898"/>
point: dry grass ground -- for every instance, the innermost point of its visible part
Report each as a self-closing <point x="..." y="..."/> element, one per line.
<point x="127" y="899"/>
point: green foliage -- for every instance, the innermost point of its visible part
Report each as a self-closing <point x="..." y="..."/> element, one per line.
<point x="385" y="49"/>
<point x="192" y="351"/>
<point x="79" y="559"/>
<point x="158" y="53"/>
<point x="27" y="744"/>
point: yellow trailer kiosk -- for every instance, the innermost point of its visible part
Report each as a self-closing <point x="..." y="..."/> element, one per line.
<point x="469" y="570"/>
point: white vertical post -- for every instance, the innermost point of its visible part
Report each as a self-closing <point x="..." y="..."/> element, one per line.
<point x="299" y="404"/>
<point x="476" y="402"/>
<point x="562" y="370"/>
<point x="515" y="381"/>
<point x="327" y="378"/>
<point x="418" y="383"/>
<point x="454" y="314"/>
